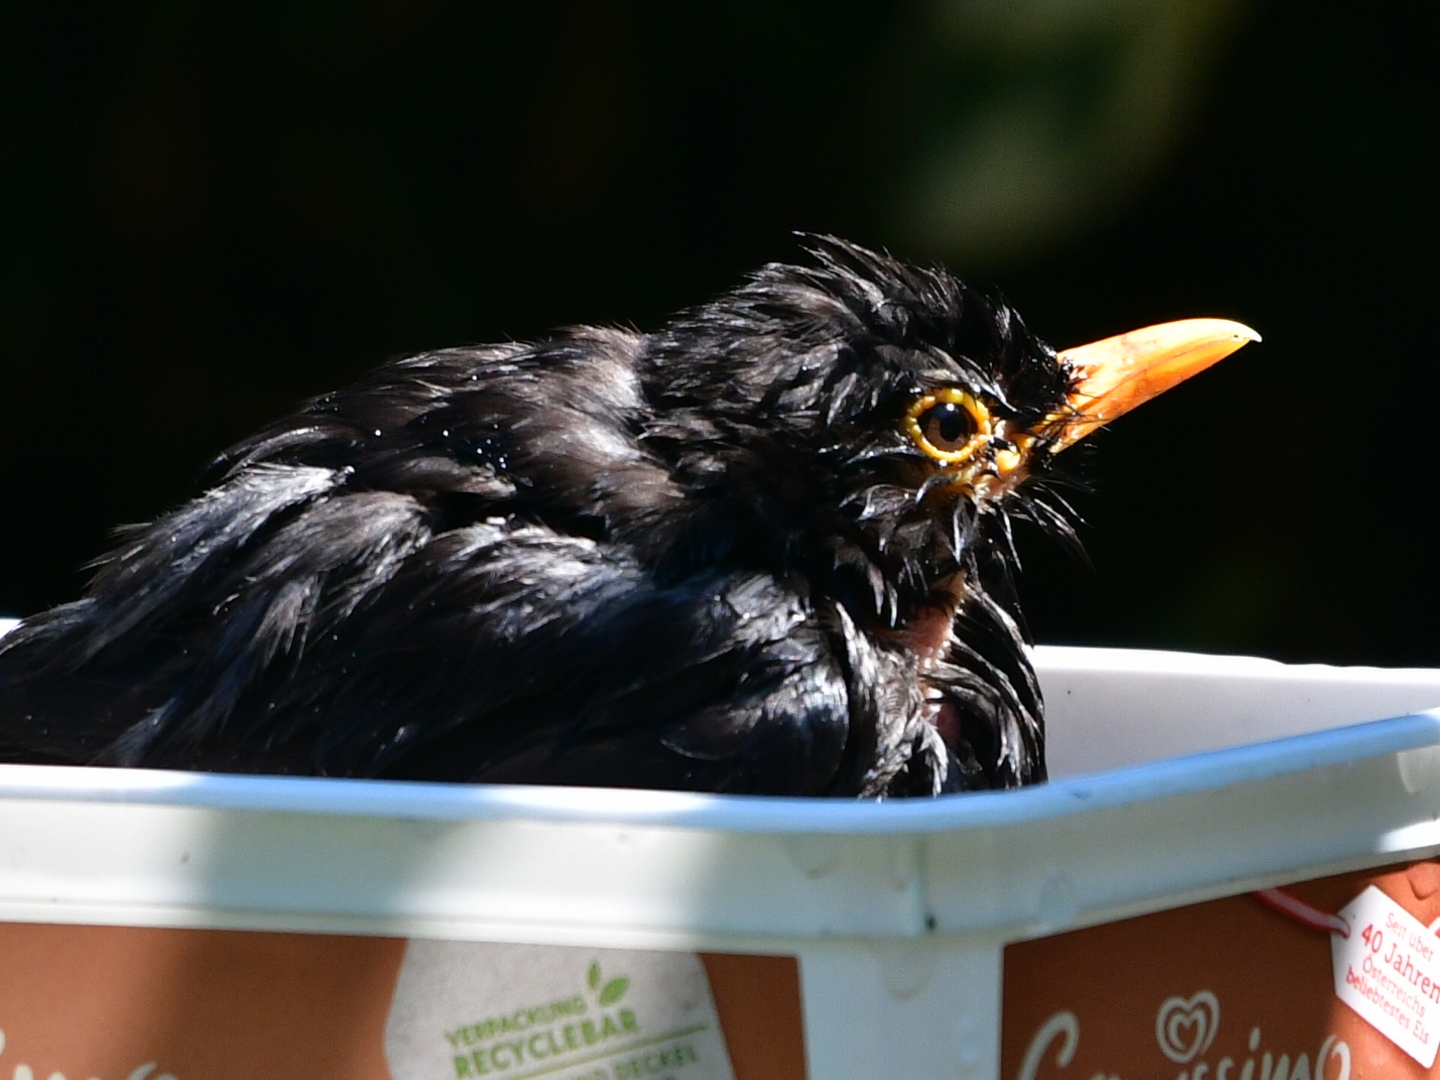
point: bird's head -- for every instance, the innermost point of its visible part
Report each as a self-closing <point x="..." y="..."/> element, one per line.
<point x="883" y="423"/>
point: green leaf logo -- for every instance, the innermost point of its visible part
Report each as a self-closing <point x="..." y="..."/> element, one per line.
<point x="611" y="991"/>
<point x="614" y="991"/>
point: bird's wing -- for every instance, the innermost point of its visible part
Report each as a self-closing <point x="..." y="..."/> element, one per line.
<point x="504" y="653"/>
<point x="284" y="623"/>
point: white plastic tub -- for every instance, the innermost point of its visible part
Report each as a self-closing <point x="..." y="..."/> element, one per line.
<point x="1176" y="778"/>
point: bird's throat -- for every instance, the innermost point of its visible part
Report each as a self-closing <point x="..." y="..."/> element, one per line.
<point x="927" y="633"/>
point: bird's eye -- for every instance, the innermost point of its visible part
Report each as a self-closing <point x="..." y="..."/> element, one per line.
<point x="949" y="425"/>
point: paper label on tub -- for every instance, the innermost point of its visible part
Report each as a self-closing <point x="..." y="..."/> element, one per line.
<point x="1388" y="971"/>
<point x="474" y="1009"/>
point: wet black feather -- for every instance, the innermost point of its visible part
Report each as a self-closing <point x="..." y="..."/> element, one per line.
<point x="684" y="559"/>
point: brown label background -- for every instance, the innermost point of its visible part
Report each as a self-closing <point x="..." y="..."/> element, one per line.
<point x="101" y="1001"/>
<point x="1265" y="970"/>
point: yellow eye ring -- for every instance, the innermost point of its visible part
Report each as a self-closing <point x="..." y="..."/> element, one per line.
<point x="949" y="425"/>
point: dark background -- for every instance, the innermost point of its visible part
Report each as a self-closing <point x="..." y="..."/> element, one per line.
<point x="208" y="212"/>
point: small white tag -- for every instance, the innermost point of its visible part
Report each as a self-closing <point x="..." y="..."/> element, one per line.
<point x="471" y="1009"/>
<point x="1388" y="971"/>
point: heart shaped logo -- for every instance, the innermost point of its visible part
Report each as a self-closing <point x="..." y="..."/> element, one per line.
<point x="1185" y="1028"/>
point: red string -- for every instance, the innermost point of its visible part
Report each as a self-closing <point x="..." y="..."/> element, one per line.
<point x="1297" y="909"/>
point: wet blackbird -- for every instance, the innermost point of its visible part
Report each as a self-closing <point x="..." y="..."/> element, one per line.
<point x="764" y="549"/>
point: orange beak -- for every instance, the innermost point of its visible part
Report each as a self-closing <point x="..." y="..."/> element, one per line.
<point x="1119" y="373"/>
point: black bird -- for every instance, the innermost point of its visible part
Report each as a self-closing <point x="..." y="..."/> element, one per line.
<point x="765" y="549"/>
